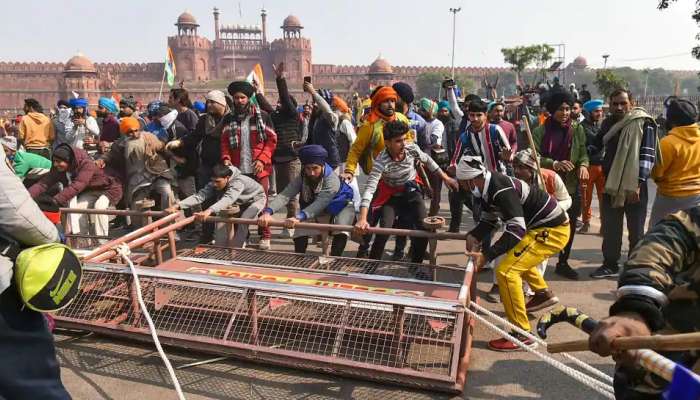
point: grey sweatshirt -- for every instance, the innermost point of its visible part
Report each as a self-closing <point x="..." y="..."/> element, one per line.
<point x="241" y="190"/>
<point x="329" y="186"/>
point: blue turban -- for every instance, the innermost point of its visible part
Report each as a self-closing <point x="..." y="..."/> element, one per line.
<point x="109" y="104"/>
<point x="592" y="105"/>
<point x="199" y="106"/>
<point x="153" y="107"/>
<point x="313" y="154"/>
<point x="80" y="102"/>
<point x="444" y="104"/>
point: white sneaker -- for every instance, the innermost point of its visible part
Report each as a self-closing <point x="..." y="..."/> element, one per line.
<point x="264" y="244"/>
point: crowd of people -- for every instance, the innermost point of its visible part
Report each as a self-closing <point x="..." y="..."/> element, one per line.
<point x="303" y="161"/>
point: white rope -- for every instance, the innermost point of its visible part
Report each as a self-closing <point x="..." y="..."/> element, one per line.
<point x="124" y="251"/>
<point x="601" y="388"/>
<point x="583" y="365"/>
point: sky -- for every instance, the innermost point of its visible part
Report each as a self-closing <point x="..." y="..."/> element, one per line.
<point x="355" y="32"/>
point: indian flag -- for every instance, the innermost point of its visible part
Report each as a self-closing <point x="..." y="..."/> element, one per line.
<point x="170" y="68"/>
<point x="257" y="75"/>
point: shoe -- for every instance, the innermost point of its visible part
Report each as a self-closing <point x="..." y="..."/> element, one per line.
<point x="605" y="271"/>
<point x="362" y="253"/>
<point x="118" y="223"/>
<point x="264" y="244"/>
<point x="398" y="256"/>
<point x="541" y="300"/>
<point x="584" y="228"/>
<point x="287" y="233"/>
<point x="505" y="345"/>
<point x="579" y="224"/>
<point x="493" y="295"/>
<point x="565" y="270"/>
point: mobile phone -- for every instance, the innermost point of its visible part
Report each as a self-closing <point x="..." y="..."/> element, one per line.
<point x="307" y="79"/>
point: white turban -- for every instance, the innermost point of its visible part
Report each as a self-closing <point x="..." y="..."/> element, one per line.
<point x="466" y="171"/>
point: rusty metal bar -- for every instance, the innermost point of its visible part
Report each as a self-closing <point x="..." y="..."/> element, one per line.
<point x="129" y="236"/>
<point x="172" y="245"/>
<point x="130" y="213"/>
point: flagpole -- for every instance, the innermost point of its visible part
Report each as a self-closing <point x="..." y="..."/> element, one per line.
<point x="162" y="81"/>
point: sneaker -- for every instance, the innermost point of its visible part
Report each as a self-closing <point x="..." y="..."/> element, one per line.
<point x="287" y="233"/>
<point x="579" y="223"/>
<point x="493" y="295"/>
<point x="605" y="271"/>
<point x="264" y="244"/>
<point x="565" y="270"/>
<point x="584" y="228"/>
<point x="541" y="300"/>
<point x="398" y="256"/>
<point x="505" y="345"/>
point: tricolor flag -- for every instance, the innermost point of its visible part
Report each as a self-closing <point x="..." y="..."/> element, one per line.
<point x="257" y="75"/>
<point x="170" y="67"/>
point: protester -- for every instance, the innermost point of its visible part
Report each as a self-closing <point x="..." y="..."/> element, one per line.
<point x="128" y="108"/>
<point x="496" y="112"/>
<point x="27" y="166"/>
<point x="36" y="131"/>
<point x="185" y="159"/>
<point x="398" y="189"/>
<point x="62" y="121"/>
<point x="435" y="131"/>
<point x="658" y="293"/>
<point x="345" y="134"/>
<point x="677" y="171"/>
<point x="596" y="177"/>
<point x="630" y="141"/>
<point x="324" y="197"/>
<point x="228" y="187"/>
<point x="107" y="111"/>
<point x="535" y="228"/>
<point x="84" y="185"/>
<point x="83" y="125"/>
<point x="179" y="99"/>
<point x="323" y="123"/>
<point x="577" y="112"/>
<point x="584" y="95"/>
<point x="248" y="141"/>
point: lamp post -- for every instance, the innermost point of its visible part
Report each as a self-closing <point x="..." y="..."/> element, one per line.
<point x="605" y="60"/>
<point x="454" y="12"/>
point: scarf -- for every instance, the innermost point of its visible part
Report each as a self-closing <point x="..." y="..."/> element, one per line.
<point x="557" y="140"/>
<point x="251" y="110"/>
<point x="383" y="94"/>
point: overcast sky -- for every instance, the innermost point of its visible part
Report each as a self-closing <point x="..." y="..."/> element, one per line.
<point x="405" y="32"/>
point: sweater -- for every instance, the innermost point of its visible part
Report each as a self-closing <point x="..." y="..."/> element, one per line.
<point x="677" y="173"/>
<point x="368" y="144"/>
<point x="578" y="155"/>
<point x="25" y="162"/>
<point x="36" y="131"/>
<point x="240" y="190"/>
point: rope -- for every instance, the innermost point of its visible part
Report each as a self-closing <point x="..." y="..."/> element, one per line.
<point x="124" y="251"/>
<point x="603" y="389"/>
<point x="529" y="335"/>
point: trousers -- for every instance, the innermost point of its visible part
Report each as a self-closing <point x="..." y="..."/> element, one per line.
<point x="596" y="180"/>
<point x="636" y="215"/>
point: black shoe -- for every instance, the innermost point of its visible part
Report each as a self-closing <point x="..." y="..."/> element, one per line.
<point x="205" y="240"/>
<point x="565" y="270"/>
<point x="605" y="271"/>
<point x="118" y="223"/>
<point x="493" y="295"/>
<point x="584" y="228"/>
<point x="398" y="256"/>
<point x="362" y="253"/>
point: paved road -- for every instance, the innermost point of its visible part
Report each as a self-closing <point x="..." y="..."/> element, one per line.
<point x="95" y="367"/>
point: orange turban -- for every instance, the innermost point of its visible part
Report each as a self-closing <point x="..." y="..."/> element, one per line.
<point x="128" y="124"/>
<point x="383" y="94"/>
<point x="340" y="105"/>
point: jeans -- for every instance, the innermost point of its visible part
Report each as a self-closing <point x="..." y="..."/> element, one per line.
<point x="635" y="214"/>
<point x="412" y="205"/>
<point x="285" y="172"/>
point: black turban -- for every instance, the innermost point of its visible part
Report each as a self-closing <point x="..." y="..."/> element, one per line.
<point x="241" y="87"/>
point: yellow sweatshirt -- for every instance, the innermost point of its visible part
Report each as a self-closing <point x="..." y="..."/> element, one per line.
<point x="360" y="149"/>
<point x="677" y="174"/>
<point x="36" y="131"/>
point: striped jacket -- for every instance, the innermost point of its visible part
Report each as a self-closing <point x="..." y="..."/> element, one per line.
<point x="519" y="206"/>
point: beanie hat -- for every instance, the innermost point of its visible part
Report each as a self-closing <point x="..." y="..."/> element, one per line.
<point x="217" y="96"/>
<point x="63" y="153"/>
<point x="680" y="112"/>
<point x="404" y="91"/>
<point x="526" y="158"/>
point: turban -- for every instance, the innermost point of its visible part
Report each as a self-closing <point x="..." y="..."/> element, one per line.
<point x="381" y="95"/>
<point x="199" y="106"/>
<point x="592" y="105"/>
<point x="493" y="104"/>
<point x="340" y="105"/>
<point x="313" y="154"/>
<point x="80" y="102"/>
<point x="477" y="106"/>
<point x="404" y="91"/>
<point x="556" y="99"/>
<point x="444" y="104"/>
<point x="128" y="102"/>
<point x="127" y="124"/>
<point x="63" y="153"/>
<point x="326" y="94"/>
<point x="109" y="104"/>
<point x="526" y="157"/>
<point x="680" y="112"/>
<point x="217" y="96"/>
<point x="153" y="107"/>
<point x="470" y="167"/>
<point x="428" y="105"/>
<point x="10" y="142"/>
<point x="62" y="103"/>
<point x="241" y="87"/>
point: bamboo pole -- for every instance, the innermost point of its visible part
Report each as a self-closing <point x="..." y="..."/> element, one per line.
<point x="679" y="342"/>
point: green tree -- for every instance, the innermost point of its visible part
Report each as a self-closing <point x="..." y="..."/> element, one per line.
<point x="664" y="4"/>
<point x="607" y="81"/>
<point x="521" y="57"/>
<point x="429" y="84"/>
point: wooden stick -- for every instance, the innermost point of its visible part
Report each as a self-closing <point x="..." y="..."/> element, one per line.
<point x="683" y="341"/>
<point x="534" y="149"/>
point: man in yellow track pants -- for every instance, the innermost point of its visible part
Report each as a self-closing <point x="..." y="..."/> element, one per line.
<point x="535" y="229"/>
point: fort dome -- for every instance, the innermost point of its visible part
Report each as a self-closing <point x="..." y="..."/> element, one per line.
<point x="79" y="63"/>
<point x="580" y="62"/>
<point x="380" y="66"/>
<point x="291" y="21"/>
<point x="186" y="19"/>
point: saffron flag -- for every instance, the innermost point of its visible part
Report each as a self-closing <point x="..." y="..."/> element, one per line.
<point x="170" y="67"/>
<point x="684" y="386"/>
<point x="256" y="75"/>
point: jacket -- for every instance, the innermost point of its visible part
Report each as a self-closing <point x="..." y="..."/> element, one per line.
<point x="368" y="145"/>
<point x="330" y="197"/>
<point x="260" y="150"/>
<point x="595" y="154"/>
<point x="240" y="190"/>
<point x="479" y="144"/>
<point x="556" y="187"/>
<point x="109" y="131"/>
<point x="323" y="131"/>
<point x="25" y="162"/>
<point x="177" y="131"/>
<point x="36" y="131"/>
<point x="206" y="139"/>
<point x="146" y="160"/>
<point x="287" y="124"/>
<point x="82" y="175"/>
<point x="20" y="219"/>
<point x="677" y="173"/>
<point x="578" y="155"/>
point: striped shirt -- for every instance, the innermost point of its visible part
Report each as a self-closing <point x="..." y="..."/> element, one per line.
<point x="519" y="206"/>
<point x="395" y="173"/>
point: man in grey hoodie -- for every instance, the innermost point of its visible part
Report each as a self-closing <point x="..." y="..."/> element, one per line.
<point x="228" y="186"/>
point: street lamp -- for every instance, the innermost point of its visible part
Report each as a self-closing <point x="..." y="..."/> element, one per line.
<point x="454" y="12"/>
<point x="605" y="60"/>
